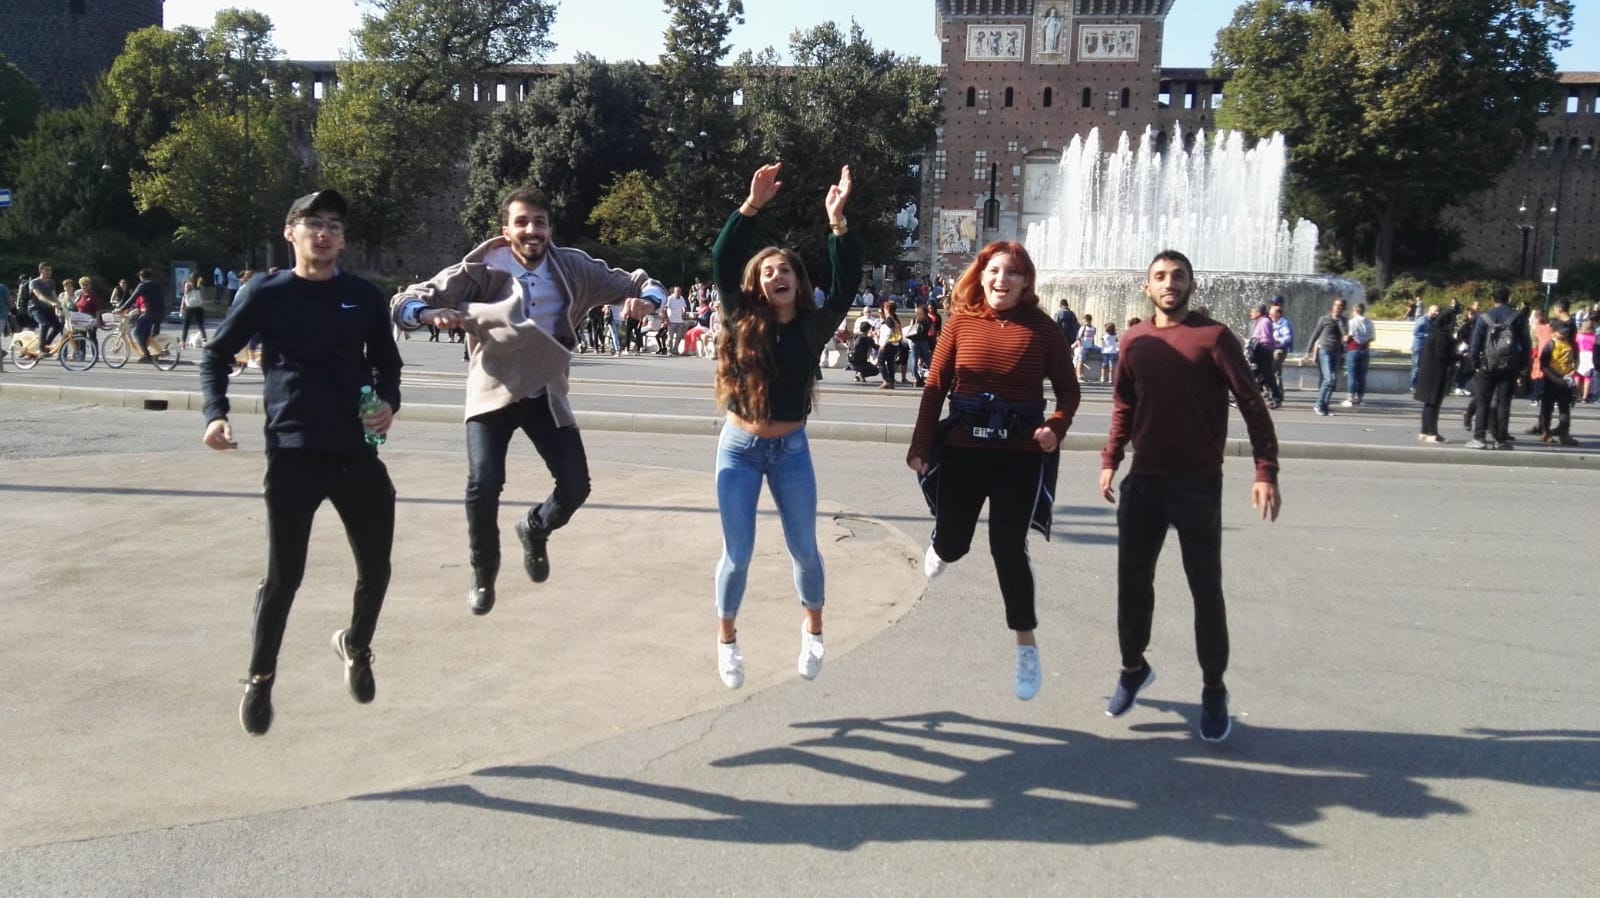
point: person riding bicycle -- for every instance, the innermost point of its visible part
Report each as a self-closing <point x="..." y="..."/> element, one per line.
<point x="147" y="303"/>
<point x="42" y="305"/>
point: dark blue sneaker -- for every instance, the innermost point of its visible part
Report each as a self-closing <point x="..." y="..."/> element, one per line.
<point x="1129" y="685"/>
<point x="1215" y="724"/>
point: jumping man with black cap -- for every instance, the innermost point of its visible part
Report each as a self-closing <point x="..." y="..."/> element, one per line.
<point x="324" y="336"/>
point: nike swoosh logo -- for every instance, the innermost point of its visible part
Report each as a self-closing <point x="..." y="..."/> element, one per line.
<point x="345" y="305"/>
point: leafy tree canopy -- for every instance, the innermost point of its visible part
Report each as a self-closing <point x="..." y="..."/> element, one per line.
<point x="1394" y="109"/>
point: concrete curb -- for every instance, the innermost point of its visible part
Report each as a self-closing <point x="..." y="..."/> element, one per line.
<point x="1457" y="454"/>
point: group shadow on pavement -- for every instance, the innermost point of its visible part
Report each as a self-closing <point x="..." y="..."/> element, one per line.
<point x="1033" y="784"/>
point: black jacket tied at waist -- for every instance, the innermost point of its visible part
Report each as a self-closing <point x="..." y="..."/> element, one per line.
<point x="987" y="417"/>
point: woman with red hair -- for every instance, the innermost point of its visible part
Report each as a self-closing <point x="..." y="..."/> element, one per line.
<point x="994" y="354"/>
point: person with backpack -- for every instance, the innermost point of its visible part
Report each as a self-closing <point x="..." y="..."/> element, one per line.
<point x="1498" y="355"/>
<point x="1560" y="363"/>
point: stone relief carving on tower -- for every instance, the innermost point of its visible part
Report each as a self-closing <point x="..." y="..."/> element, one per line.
<point x="995" y="43"/>
<point x="1108" y="43"/>
<point x="1052" y="31"/>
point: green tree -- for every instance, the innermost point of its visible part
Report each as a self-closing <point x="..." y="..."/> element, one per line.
<point x="20" y="105"/>
<point x="706" y="162"/>
<point x="628" y="211"/>
<point x="214" y="112"/>
<point x="194" y="171"/>
<point x="394" y="130"/>
<point x="70" y="198"/>
<point x="843" y="103"/>
<point x="1393" y="109"/>
<point x="569" y="137"/>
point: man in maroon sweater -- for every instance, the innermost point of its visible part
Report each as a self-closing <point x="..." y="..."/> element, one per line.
<point x="1171" y="400"/>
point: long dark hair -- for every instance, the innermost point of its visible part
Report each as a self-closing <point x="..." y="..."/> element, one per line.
<point x="745" y="367"/>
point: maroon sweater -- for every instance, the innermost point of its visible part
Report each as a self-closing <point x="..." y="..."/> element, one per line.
<point x="1171" y="400"/>
<point x="1006" y="353"/>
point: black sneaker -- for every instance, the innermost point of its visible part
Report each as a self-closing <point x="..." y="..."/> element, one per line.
<point x="255" y="711"/>
<point x="480" y="595"/>
<point x="1129" y="685"/>
<point x="357" y="668"/>
<point x="1215" y="724"/>
<point x="535" y="556"/>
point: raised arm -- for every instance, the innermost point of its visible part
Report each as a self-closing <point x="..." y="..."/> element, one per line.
<point x="844" y="255"/>
<point x="736" y="244"/>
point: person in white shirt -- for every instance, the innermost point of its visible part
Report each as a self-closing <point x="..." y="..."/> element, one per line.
<point x="1086" y="340"/>
<point x="675" y="308"/>
<point x="1357" y="345"/>
<point x="1108" y="353"/>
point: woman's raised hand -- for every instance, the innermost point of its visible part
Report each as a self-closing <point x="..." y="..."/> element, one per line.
<point x="838" y="195"/>
<point x="764" y="186"/>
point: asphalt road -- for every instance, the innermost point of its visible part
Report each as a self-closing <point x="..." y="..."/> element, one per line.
<point x="654" y="385"/>
<point x="1415" y="678"/>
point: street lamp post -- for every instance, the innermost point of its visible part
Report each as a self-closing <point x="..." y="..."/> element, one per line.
<point x="247" y="81"/>
<point x="1527" y="229"/>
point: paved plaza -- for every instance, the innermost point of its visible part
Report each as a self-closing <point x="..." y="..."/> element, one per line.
<point x="1414" y="682"/>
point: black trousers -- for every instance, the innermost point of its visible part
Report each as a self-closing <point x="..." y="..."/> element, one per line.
<point x="196" y="317"/>
<point x="488" y="438"/>
<point x="1557" y="398"/>
<point x="1010" y="483"/>
<point x="1430" y="418"/>
<point x="1491" y="394"/>
<point x="1149" y="505"/>
<point x="297" y="482"/>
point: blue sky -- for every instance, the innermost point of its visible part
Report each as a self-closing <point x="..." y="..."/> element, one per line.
<point x="631" y="29"/>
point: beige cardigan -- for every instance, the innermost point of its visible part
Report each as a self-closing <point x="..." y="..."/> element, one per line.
<point x="509" y="356"/>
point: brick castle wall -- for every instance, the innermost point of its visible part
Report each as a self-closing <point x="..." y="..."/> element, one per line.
<point x="64" y="45"/>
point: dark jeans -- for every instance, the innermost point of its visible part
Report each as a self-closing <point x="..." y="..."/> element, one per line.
<point x="488" y="438"/>
<point x="143" y="327"/>
<point x="48" y="323"/>
<point x="1149" y="505"/>
<point x="1010" y="481"/>
<point x="196" y="317"/>
<point x="296" y="484"/>
<point x="1491" y="393"/>
<point x="1261" y="357"/>
<point x="1557" y="397"/>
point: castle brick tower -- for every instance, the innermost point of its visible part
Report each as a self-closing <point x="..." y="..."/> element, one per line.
<point x="64" y="45"/>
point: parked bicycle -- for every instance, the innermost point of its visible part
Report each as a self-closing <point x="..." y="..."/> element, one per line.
<point x="120" y="345"/>
<point x="75" y="349"/>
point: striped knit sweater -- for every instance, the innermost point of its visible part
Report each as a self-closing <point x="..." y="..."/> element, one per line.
<point x="1009" y="354"/>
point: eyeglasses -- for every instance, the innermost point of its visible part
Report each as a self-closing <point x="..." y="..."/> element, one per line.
<point x="324" y="226"/>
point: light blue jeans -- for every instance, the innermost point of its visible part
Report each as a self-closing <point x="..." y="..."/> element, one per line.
<point x="742" y="461"/>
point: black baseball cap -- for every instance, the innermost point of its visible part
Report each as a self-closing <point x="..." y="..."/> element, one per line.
<point x="317" y="201"/>
<point x="1277" y="300"/>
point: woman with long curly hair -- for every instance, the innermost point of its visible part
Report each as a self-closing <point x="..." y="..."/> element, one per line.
<point x="997" y="444"/>
<point x="767" y="355"/>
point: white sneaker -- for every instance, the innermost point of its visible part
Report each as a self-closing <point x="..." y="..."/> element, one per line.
<point x="730" y="664"/>
<point x="1027" y="671"/>
<point x="811" y="651"/>
<point x="932" y="564"/>
<point x="1348" y="403"/>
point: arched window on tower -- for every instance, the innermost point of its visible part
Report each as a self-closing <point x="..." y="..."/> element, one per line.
<point x="972" y="96"/>
<point x="1127" y="97"/>
<point x="1010" y="97"/>
<point x="1088" y="97"/>
<point x="1049" y="94"/>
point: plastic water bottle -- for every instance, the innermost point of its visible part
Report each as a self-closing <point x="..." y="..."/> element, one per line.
<point x="370" y="403"/>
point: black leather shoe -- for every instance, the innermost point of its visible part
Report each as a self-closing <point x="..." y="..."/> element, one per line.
<point x="535" y="556"/>
<point x="480" y="595"/>
<point x="255" y="710"/>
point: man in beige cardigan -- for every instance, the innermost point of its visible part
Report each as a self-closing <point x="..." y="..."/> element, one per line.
<point x="520" y="298"/>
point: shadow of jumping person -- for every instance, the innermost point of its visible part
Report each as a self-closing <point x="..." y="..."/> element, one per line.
<point x="945" y="776"/>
